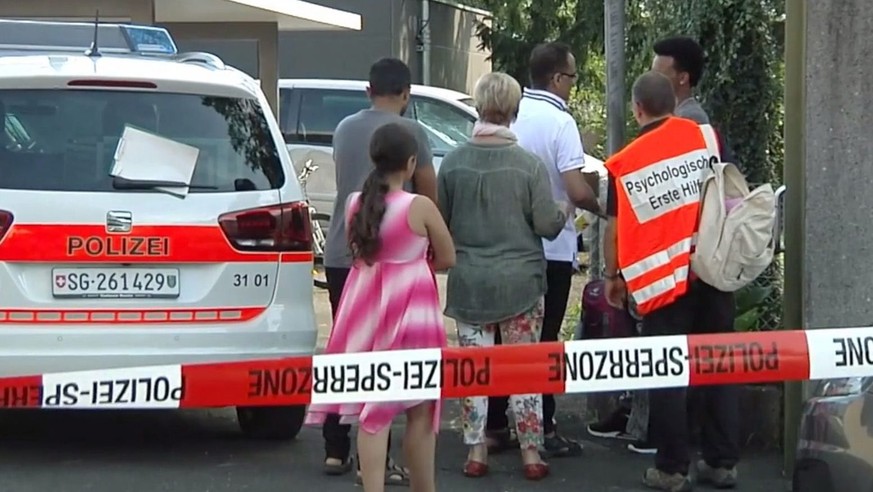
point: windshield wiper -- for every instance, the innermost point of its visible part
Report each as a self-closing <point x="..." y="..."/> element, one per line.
<point x="120" y="183"/>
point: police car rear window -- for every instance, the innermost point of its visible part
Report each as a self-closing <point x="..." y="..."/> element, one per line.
<point x="65" y="140"/>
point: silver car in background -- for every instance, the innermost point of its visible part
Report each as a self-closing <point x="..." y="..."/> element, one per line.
<point x="835" y="445"/>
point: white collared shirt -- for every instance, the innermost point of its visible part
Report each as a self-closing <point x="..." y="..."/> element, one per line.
<point x="545" y="128"/>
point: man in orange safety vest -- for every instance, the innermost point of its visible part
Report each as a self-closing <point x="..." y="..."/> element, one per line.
<point x="653" y="206"/>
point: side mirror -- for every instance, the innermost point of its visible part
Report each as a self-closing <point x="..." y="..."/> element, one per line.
<point x="778" y="227"/>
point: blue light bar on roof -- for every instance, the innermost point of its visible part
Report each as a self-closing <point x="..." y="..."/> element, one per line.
<point x="52" y="36"/>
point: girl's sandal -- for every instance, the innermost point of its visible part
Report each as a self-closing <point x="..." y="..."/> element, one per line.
<point x="394" y="475"/>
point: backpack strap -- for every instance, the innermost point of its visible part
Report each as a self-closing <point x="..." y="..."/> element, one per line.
<point x="711" y="140"/>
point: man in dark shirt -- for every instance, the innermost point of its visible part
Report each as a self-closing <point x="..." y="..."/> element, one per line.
<point x="681" y="60"/>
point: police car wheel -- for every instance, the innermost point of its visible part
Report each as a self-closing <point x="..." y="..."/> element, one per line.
<point x="279" y="423"/>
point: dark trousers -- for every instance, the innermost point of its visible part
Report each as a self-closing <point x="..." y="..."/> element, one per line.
<point x="337" y="443"/>
<point x="559" y="278"/>
<point x="703" y="309"/>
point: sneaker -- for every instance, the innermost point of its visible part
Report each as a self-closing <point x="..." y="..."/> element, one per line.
<point x="642" y="447"/>
<point x="720" y="478"/>
<point x="613" y="427"/>
<point x="560" y="447"/>
<point x="658" y="480"/>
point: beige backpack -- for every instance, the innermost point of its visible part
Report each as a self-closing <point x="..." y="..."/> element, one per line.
<point x="733" y="246"/>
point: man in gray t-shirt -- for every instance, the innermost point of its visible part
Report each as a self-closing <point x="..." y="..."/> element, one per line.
<point x="390" y="84"/>
<point x="351" y="145"/>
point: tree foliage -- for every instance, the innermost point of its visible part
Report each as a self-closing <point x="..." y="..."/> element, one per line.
<point x="742" y="91"/>
<point x="741" y="88"/>
<point x="516" y="27"/>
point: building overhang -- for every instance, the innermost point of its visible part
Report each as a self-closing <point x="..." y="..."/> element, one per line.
<point x="289" y="15"/>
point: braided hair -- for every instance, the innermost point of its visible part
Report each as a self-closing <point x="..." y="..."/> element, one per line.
<point x="390" y="149"/>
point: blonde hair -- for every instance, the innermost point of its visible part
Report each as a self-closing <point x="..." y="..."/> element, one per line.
<point x="497" y="96"/>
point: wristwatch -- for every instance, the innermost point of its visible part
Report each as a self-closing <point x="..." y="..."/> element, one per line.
<point x="611" y="277"/>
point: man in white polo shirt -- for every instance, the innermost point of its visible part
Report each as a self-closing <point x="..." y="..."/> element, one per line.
<point x="545" y="128"/>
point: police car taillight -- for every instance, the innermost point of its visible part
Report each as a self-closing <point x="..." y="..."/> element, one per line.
<point x="5" y="222"/>
<point x="284" y="227"/>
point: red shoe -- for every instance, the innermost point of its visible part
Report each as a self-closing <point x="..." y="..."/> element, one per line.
<point x="536" y="471"/>
<point x="475" y="469"/>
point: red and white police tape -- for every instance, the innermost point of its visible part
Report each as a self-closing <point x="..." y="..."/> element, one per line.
<point x="569" y="367"/>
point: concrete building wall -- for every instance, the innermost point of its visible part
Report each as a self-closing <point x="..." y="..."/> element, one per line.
<point x="405" y="38"/>
<point x="836" y="204"/>
<point x="324" y="54"/>
<point x="341" y="55"/>
<point x="390" y="28"/>
<point x="457" y="62"/>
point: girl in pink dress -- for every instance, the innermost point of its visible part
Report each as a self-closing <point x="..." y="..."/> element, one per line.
<point x="390" y="234"/>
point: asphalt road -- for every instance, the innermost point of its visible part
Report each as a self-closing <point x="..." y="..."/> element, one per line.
<point x="203" y="451"/>
<point x="199" y="451"/>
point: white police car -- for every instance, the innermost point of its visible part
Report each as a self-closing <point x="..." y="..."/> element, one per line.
<point x="104" y="265"/>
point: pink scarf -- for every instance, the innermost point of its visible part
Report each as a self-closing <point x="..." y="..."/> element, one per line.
<point x="483" y="129"/>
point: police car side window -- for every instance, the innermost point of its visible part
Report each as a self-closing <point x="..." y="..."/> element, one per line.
<point x="320" y="112"/>
<point x="72" y="136"/>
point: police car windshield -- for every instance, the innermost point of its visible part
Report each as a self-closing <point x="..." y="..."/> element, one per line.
<point x="65" y="140"/>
